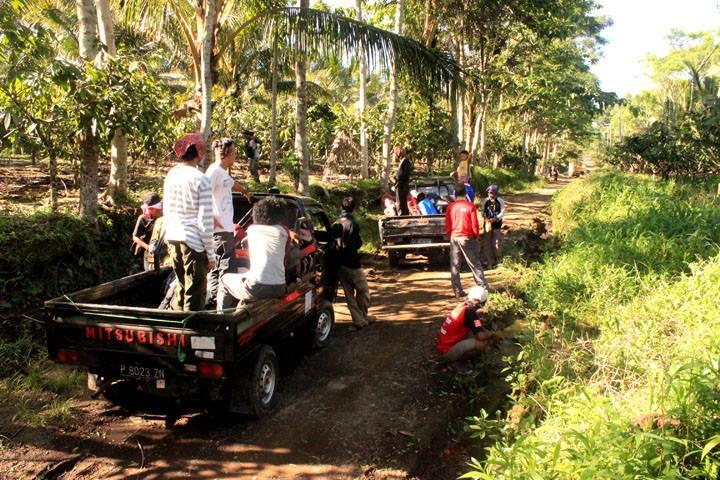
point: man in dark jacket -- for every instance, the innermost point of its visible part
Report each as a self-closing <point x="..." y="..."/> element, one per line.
<point x="347" y="242"/>
<point x="402" y="179"/>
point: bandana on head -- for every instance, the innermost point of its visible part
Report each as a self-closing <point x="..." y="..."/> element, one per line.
<point x="146" y="209"/>
<point x="182" y="145"/>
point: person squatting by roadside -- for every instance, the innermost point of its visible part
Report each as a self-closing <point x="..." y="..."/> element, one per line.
<point x="493" y="211"/>
<point x="252" y="153"/>
<point x="462" y="229"/>
<point x="269" y="243"/>
<point x="142" y="234"/>
<point x="463" y="331"/>
<point x="346" y="235"/>
<point x="402" y="179"/>
<point x="223" y="185"/>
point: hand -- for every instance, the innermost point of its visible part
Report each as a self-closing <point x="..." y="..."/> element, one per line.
<point x="211" y="264"/>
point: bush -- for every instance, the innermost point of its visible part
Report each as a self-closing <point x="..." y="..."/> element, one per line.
<point x="46" y="255"/>
<point x="507" y="180"/>
<point x="620" y="377"/>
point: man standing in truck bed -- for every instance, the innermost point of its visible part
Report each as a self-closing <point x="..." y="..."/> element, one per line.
<point x="189" y="223"/>
<point x="463" y="230"/>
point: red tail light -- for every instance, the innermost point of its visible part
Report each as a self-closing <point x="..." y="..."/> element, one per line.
<point x="67" y="356"/>
<point x="213" y="370"/>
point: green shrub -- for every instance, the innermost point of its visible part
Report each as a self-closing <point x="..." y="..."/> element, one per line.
<point x="46" y="255"/>
<point x="619" y="376"/>
<point x="507" y="180"/>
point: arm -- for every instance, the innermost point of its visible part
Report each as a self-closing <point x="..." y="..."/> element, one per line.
<point x="475" y="224"/>
<point x="205" y="216"/>
<point x="137" y="240"/>
<point x="448" y="221"/>
<point x="501" y="214"/>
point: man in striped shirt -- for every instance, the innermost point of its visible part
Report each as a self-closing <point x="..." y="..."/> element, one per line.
<point x="189" y="223"/>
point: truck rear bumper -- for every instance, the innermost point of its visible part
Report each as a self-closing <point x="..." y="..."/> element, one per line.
<point x="415" y="246"/>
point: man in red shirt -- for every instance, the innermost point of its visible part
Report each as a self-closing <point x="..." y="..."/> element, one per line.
<point x="463" y="331"/>
<point x="463" y="230"/>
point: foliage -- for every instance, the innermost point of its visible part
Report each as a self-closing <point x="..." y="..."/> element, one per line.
<point x="47" y="255"/>
<point x="507" y="180"/>
<point x="673" y="129"/>
<point x="618" y="376"/>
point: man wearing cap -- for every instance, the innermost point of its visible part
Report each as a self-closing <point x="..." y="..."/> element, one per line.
<point x="151" y="211"/>
<point x="463" y="331"/>
<point x="252" y="152"/>
<point x="463" y="230"/>
<point x="493" y="212"/>
<point x="189" y="223"/>
<point x="402" y="179"/>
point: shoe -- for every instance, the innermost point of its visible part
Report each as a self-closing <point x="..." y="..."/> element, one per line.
<point x="371" y="319"/>
<point x="460" y="294"/>
<point x="357" y="328"/>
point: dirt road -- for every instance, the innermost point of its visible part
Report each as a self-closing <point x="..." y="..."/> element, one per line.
<point x="373" y="404"/>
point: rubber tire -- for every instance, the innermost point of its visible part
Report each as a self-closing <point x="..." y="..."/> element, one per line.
<point x="253" y="403"/>
<point x="393" y="259"/>
<point x="440" y="258"/>
<point x="313" y="338"/>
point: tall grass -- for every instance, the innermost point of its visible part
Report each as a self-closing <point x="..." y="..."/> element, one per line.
<point x="619" y="376"/>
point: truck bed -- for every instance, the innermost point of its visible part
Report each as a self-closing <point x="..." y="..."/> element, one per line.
<point x="410" y="232"/>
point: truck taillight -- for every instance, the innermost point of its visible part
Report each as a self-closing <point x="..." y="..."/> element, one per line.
<point x="213" y="370"/>
<point x="67" y="356"/>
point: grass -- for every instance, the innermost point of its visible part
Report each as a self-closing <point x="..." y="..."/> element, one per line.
<point x="509" y="181"/>
<point x="619" y="374"/>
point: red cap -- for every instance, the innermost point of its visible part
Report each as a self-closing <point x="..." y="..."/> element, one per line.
<point x="187" y="141"/>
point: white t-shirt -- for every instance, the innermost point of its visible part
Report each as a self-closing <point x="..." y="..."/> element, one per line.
<point x="266" y="246"/>
<point x="187" y="208"/>
<point x="222" y="184"/>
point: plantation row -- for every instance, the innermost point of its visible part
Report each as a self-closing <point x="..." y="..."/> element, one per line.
<point x="619" y="375"/>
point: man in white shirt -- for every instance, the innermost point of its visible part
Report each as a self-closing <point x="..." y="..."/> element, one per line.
<point x="222" y="185"/>
<point x="268" y="241"/>
<point x="189" y="223"/>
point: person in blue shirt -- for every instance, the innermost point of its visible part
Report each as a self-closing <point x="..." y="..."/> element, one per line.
<point x="426" y="206"/>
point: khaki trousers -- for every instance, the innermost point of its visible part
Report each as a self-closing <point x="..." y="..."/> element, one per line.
<point x="357" y="294"/>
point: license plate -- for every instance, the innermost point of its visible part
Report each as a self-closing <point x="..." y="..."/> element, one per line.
<point x="143" y="373"/>
<point x="420" y="240"/>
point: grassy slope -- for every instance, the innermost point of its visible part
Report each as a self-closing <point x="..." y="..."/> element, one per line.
<point x="619" y="376"/>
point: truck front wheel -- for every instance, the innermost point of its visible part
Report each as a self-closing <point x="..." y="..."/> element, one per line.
<point x="258" y="385"/>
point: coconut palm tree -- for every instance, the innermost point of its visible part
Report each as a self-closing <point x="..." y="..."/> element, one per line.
<point x="302" y="29"/>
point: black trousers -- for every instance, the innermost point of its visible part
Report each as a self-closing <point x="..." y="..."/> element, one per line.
<point x="403" y="190"/>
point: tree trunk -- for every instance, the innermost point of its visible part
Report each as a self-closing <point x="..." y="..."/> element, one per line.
<point x="117" y="185"/>
<point x="454" y="126"/>
<point x="301" y="145"/>
<point x="362" y="102"/>
<point x="52" y="161"/>
<point x="273" y="115"/>
<point x="392" y="104"/>
<point x="207" y="81"/>
<point x="88" y="43"/>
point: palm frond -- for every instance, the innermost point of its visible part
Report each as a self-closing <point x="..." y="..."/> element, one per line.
<point x="310" y="30"/>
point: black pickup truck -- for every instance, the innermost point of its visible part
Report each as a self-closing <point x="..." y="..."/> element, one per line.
<point x="419" y="234"/>
<point x="184" y="361"/>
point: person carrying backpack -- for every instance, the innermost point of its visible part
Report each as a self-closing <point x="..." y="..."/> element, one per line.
<point x="347" y="241"/>
<point x="493" y="212"/>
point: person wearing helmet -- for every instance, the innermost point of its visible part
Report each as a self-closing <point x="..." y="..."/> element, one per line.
<point x="463" y="330"/>
<point x="493" y="212"/>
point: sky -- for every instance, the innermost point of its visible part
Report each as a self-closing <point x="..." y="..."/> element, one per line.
<point x="639" y="27"/>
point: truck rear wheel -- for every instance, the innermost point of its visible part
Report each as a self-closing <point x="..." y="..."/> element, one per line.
<point x="393" y="258"/>
<point x="257" y="387"/>
<point x="439" y="258"/>
<point x="320" y="328"/>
